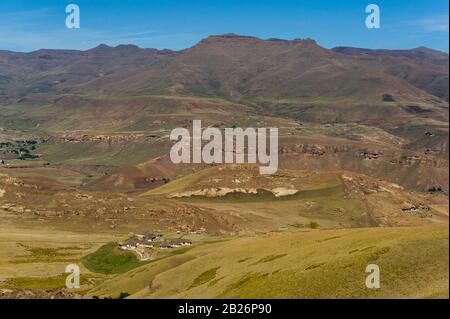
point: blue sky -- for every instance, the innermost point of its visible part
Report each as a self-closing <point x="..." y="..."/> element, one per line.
<point x="178" y="24"/>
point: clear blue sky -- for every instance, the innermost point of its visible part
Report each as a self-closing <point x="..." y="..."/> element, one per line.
<point x="177" y="24"/>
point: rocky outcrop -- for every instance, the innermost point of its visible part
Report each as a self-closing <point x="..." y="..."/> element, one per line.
<point x="282" y="191"/>
<point x="223" y="191"/>
<point x="117" y="138"/>
<point x="313" y="149"/>
<point x="36" y="294"/>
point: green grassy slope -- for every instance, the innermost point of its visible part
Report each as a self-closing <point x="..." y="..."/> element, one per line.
<point x="315" y="264"/>
<point x="109" y="260"/>
<point x="181" y="183"/>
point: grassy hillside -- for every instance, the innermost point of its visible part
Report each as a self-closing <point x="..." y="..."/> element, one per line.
<point x="181" y="183"/>
<point x="314" y="264"/>
<point x="333" y="199"/>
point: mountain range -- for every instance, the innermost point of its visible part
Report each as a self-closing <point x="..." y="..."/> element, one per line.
<point x="234" y="80"/>
<point x="233" y="67"/>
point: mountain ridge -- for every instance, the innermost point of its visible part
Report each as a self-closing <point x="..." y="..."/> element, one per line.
<point x="226" y="65"/>
<point x="230" y="36"/>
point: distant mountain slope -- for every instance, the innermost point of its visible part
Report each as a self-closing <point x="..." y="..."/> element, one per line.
<point x="424" y="68"/>
<point x="242" y="67"/>
<point x="64" y="71"/>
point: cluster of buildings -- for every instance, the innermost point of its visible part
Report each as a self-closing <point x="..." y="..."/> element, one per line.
<point x="151" y="240"/>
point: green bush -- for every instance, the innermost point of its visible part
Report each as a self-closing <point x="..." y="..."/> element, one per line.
<point x="313" y="225"/>
<point x="108" y="259"/>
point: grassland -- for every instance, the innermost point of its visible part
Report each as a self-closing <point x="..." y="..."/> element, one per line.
<point x="298" y="246"/>
<point x="35" y="257"/>
<point x="314" y="264"/>
<point x="53" y="282"/>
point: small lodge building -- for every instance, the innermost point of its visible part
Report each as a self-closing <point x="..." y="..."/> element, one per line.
<point x="182" y="242"/>
<point x="179" y="242"/>
<point x="130" y="244"/>
<point x="145" y="244"/>
<point x="148" y="237"/>
<point x="133" y="244"/>
<point x="165" y="245"/>
<point x="147" y="240"/>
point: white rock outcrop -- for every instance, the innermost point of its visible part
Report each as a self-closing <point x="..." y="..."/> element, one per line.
<point x="223" y="191"/>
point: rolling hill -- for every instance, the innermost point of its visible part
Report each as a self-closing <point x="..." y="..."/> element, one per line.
<point x="315" y="264"/>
